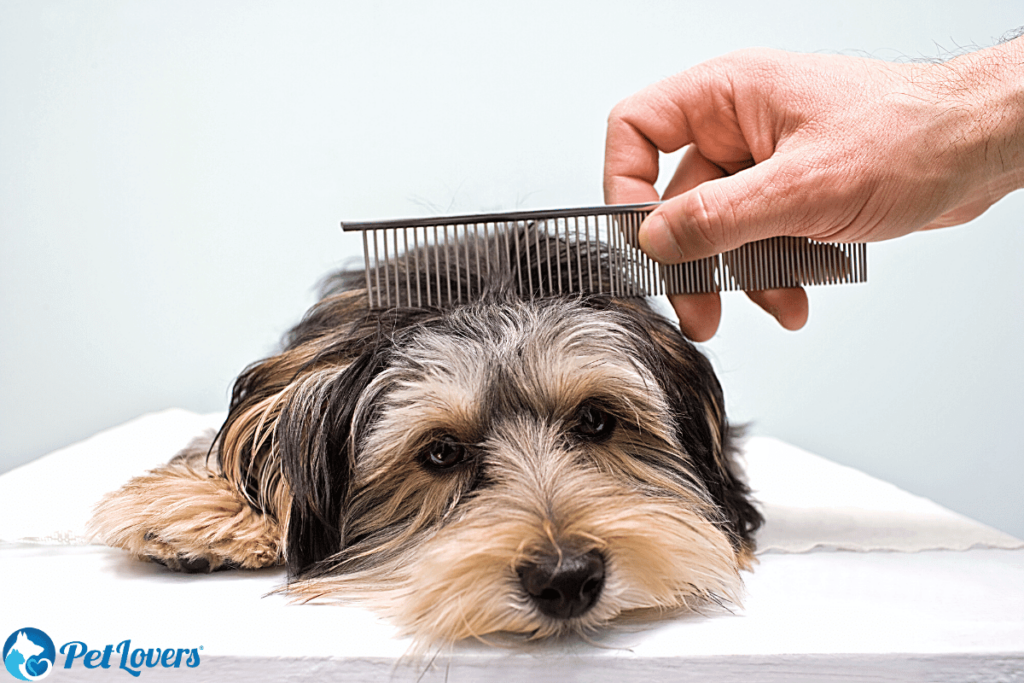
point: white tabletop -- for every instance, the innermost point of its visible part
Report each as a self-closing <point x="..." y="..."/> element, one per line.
<point x="882" y="614"/>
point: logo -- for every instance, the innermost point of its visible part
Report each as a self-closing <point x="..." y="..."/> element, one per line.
<point x="29" y="654"/>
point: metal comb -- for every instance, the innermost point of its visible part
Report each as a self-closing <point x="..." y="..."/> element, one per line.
<point x="434" y="261"/>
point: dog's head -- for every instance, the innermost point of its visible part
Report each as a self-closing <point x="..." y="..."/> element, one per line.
<point x="537" y="466"/>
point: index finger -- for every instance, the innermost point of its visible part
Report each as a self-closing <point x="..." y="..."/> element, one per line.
<point x="638" y="128"/>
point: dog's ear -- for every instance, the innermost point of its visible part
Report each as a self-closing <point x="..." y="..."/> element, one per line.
<point x="703" y="429"/>
<point x="316" y="438"/>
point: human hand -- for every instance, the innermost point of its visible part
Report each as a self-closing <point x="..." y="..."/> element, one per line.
<point x="838" y="149"/>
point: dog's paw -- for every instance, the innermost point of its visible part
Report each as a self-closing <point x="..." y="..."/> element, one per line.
<point x="192" y="561"/>
<point x="188" y="518"/>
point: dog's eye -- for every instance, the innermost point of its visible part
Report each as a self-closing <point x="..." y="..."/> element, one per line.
<point x="444" y="453"/>
<point x="593" y="423"/>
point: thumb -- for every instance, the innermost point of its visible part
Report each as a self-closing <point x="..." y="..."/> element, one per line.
<point x="722" y="214"/>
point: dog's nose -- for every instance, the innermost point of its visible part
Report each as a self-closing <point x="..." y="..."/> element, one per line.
<point x="567" y="588"/>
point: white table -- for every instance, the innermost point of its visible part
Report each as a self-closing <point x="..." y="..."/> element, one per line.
<point x="811" y="611"/>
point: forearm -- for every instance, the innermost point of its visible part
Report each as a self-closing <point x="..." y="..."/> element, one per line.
<point x="986" y="88"/>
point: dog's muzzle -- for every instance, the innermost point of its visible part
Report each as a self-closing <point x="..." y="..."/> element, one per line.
<point x="564" y="585"/>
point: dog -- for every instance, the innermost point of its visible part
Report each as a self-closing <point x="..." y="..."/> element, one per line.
<point x="504" y="463"/>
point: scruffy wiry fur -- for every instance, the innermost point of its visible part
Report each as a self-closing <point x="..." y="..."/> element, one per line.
<point x="533" y="465"/>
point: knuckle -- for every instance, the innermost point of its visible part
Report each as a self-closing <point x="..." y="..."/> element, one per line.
<point x="701" y="224"/>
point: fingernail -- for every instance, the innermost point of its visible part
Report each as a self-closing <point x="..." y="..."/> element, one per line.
<point x="657" y="240"/>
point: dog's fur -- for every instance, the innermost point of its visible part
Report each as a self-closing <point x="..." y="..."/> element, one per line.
<point x="534" y="465"/>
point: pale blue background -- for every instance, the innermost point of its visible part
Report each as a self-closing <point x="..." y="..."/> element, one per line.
<point x="172" y="175"/>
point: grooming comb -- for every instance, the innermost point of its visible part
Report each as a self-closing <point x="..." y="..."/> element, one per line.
<point x="434" y="261"/>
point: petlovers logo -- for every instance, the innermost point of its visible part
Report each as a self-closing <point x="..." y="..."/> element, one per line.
<point x="29" y="654"/>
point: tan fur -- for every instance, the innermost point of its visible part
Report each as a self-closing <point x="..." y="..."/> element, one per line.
<point x="185" y="509"/>
<point x="660" y="554"/>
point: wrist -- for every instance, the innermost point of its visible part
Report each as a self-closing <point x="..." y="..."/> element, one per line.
<point x="984" y="90"/>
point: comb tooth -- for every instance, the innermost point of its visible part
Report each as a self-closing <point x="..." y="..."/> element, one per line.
<point x="426" y="257"/>
<point x="627" y="256"/>
<point x="503" y="257"/>
<point x="609" y="226"/>
<point x="763" y="275"/>
<point x="579" y="256"/>
<point x="800" y="266"/>
<point x="778" y="266"/>
<point x="816" y="267"/>
<point x="416" y="252"/>
<point x="392" y="274"/>
<point x="751" y="274"/>
<point x="789" y="256"/>
<point x="405" y="262"/>
<point x="751" y="255"/>
<point x="759" y="268"/>
<point x="487" y="248"/>
<point x="733" y="267"/>
<point x="448" y="266"/>
<point x="828" y="266"/>
<point x="534" y="251"/>
<point x="454" y="247"/>
<point x="547" y="257"/>
<point x="820" y="271"/>
<point x="631" y="262"/>
<point x="832" y="266"/>
<point x="469" y="287"/>
<point x="519" y="260"/>
<point x="646" y="266"/>
<point x="748" y="265"/>
<point x="476" y="252"/>
<point x="590" y="257"/>
<point x="564" y="241"/>
<point x="465" y="254"/>
<point x="613" y="255"/>
<point x="641" y="267"/>
<point x="398" y="292"/>
<point x="376" y="266"/>
<point x="437" y="265"/>
<point x="619" y="262"/>
<point x="529" y="258"/>
<point x="387" y="270"/>
<point x="366" y="269"/>
<point x="834" y="272"/>
<point x="558" y="256"/>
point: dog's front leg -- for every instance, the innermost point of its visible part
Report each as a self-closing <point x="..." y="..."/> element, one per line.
<point x="187" y="516"/>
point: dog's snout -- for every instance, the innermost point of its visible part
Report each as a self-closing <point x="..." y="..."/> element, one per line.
<point x="564" y="587"/>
